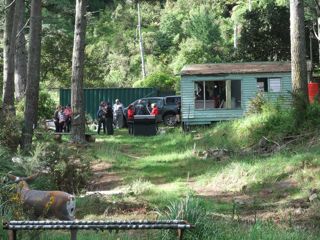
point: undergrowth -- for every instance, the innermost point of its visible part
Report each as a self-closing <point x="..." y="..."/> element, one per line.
<point x="273" y="121"/>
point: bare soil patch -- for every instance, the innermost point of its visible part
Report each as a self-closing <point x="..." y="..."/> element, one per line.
<point x="103" y="178"/>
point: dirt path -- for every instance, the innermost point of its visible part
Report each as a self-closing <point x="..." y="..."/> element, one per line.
<point x="104" y="180"/>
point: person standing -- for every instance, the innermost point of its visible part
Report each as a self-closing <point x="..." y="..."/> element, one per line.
<point x="118" y="114"/>
<point x="130" y="118"/>
<point x="109" y="119"/>
<point x="62" y="120"/>
<point x="149" y="108"/>
<point x="101" y="116"/>
<point x="155" y="110"/>
<point x="68" y="115"/>
<point x="56" y="118"/>
<point x="140" y="109"/>
<point x="178" y="113"/>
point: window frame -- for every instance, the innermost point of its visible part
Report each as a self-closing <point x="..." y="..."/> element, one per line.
<point x="203" y="82"/>
<point x="269" y="84"/>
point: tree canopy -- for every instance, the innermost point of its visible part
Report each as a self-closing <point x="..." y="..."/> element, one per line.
<point x="175" y="33"/>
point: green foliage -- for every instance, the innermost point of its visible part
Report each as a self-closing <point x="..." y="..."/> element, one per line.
<point x="45" y="108"/>
<point x="265" y="34"/>
<point x="256" y="104"/>
<point x="10" y="202"/>
<point x="10" y="134"/>
<point x="192" y="210"/>
<point x="161" y="80"/>
<point x="174" y="33"/>
<point x="140" y="186"/>
<point x="68" y="169"/>
<point x="56" y="57"/>
<point x="5" y="160"/>
<point x="192" y="51"/>
<point x="300" y="106"/>
<point x="46" y="105"/>
<point x="202" y="26"/>
<point x="313" y="116"/>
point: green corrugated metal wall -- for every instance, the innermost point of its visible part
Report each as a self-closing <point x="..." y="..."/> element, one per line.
<point x="94" y="96"/>
<point x="191" y="115"/>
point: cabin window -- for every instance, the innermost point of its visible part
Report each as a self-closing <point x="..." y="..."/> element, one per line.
<point x="217" y="94"/>
<point x="269" y="84"/>
<point x="262" y="84"/>
<point x="274" y="84"/>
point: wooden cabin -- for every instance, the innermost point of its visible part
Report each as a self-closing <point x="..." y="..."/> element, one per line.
<point x="216" y="92"/>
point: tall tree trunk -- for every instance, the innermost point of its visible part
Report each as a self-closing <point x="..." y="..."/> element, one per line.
<point x="8" y="55"/>
<point x="317" y="3"/>
<point x="298" y="47"/>
<point x="77" y="95"/>
<point x="33" y="78"/>
<point x="20" y="73"/>
<point x="141" y="42"/>
<point x="235" y="36"/>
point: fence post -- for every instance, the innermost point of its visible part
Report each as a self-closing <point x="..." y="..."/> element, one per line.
<point x="73" y="234"/>
<point x="180" y="234"/>
<point x="12" y="234"/>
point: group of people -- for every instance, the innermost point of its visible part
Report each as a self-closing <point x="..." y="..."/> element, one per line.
<point x="140" y="109"/>
<point x="110" y="116"/>
<point x="62" y="118"/>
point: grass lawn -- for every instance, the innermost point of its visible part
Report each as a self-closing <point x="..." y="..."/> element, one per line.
<point x="161" y="169"/>
<point x="152" y="173"/>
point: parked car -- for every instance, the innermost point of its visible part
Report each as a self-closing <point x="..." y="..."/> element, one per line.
<point x="167" y="108"/>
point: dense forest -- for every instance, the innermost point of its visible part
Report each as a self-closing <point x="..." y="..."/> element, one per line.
<point x="174" y="33"/>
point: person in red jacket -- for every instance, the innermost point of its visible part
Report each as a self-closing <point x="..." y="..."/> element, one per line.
<point x="130" y="114"/>
<point x="155" y="110"/>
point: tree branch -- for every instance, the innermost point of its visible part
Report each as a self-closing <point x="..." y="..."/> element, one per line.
<point x="315" y="33"/>
<point x="317" y="5"/>
<point x="21" y="30"/>
<point x="6" y="7"/>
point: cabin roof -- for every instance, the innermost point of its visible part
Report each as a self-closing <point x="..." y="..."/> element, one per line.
<point x="237" y="68"/>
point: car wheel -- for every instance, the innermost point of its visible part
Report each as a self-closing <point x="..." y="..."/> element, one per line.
<point x="169" y="120"/>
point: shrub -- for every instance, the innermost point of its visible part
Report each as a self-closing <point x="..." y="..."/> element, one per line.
<point x="161" y="80"/>
<point x="256" y="104"/>
<point x="10" y="202"/>
<point x="5" y="162"/>
<point x="140" y="186"/>
<point x="68" y="169"/>
<point x="192" y="210"/>
<point x="10" y="135"/>
<point x="312" y="116"/>
<point x="299" y="107"/>
<point x="45" y="108"/>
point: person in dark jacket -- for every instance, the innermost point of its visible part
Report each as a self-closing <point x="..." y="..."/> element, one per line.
<point x="109" y="119"/>
<point x="56" y="118"/>
<point x="101" y="116"/>
<point x="140" y="109"/>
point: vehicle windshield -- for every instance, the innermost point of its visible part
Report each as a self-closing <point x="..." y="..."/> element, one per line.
<point x="172" y="100"/>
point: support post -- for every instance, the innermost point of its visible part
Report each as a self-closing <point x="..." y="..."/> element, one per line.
<point x="228" y="94"/>
<point x="74" y="234"/>
<point x="12" y="234"/>
<point x="180" y="234"/>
